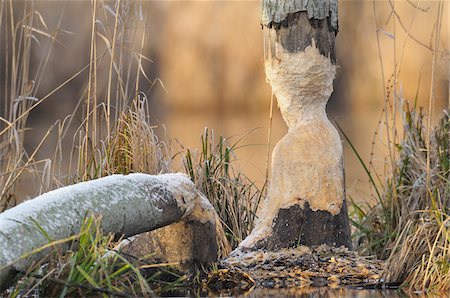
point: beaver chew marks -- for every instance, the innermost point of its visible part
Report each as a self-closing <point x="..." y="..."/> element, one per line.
<point x="305" y="203"/>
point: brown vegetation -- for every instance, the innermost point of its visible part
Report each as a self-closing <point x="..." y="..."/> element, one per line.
<point x="109" y="131"/>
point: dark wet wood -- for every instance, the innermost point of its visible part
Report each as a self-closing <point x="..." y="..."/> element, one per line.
<point x="191" y="243"/>
<point x="296" y="226"/>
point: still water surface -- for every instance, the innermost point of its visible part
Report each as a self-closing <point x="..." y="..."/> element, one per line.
<point x="324" y="292"/>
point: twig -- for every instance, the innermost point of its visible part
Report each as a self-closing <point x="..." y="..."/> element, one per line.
<point x="416" y="6"/>
<point x="269" y="136"/>
<point x="386" y="100"/>
<point x="39" y="282"/>
<point x="412" y="36"/>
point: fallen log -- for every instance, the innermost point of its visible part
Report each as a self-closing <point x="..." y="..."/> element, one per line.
<point x="129" y="205"/>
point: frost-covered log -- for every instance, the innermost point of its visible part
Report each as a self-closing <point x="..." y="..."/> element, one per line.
<point x="306" y="199"/>
<point x="129" y="205"/>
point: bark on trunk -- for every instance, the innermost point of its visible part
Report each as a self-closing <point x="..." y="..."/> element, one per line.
<point x="129" y="205"/>
<point x="306" y="199"/>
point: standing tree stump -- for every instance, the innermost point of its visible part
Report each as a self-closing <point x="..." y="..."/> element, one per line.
<point x="306" y="199"/>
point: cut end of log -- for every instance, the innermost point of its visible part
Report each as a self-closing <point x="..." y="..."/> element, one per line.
<point x="188" y="244"/>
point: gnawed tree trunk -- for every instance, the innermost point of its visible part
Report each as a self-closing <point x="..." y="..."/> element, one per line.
<point x="129" y="205"/>
<point x="306" y="199"/>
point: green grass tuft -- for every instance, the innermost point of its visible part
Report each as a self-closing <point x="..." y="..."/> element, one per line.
<point x="93" y="266"/>
<point x="215" y="171"/>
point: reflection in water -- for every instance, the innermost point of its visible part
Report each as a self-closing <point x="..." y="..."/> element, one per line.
<point x="310" y="292"/>
<point x="323" y="292"/>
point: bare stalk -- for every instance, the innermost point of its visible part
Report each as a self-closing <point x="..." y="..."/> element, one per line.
<point x="432" y="90"/>
<point x="386" y="103"/>
<point x="113" y="46"/>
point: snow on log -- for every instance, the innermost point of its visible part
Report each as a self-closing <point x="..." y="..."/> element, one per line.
<point x="129" y="205"/>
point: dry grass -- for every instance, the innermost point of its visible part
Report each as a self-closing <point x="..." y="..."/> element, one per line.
<point x="93" y="267"/>
<point x="112" y="97"/>
<point x="419" y="251"/>
<point x="134" y="145"/>
<point x="20" y="28"/>
<point x="114" y="135"/>
<point x="409" y="226"/>
<point x="117" y="40"/>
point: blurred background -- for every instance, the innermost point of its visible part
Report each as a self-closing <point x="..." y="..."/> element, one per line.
<point x="207" y="71"/>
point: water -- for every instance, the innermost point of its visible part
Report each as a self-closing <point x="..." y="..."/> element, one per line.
<point x="311" y="292"/>
<point x="324" y="292"/>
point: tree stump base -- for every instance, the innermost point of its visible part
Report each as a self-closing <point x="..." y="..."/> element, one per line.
<point x="321" y="266"/>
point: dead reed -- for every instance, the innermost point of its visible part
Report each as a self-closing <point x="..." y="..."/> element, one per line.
<point x="18" y="90"/>
<point x="114" y="135"/>
<point x="409" y="226"/>
<point x="93" y="267"/>
<point x="215" y="170"/>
